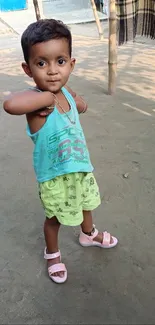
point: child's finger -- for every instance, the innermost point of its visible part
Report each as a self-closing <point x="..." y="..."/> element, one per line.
<point x="45" y="112"/>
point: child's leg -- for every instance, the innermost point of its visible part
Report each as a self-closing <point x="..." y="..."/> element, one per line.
<point x="87" y="227"/>
<point x="51" y="230"/>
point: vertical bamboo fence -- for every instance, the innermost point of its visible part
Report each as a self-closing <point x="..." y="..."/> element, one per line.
<point x="112" y="62"/>
<point x="98" y="23"/>
<point x="37" y="10"/>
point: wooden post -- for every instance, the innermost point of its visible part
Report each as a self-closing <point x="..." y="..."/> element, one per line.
<point x="112" y="49"/>
<point x="98" y="23"/>
<point x="37" y="10"/>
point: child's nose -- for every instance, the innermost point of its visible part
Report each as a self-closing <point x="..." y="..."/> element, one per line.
<point x="52" y="69"/>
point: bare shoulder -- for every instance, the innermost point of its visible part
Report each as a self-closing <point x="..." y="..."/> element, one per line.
<point x="70" y="90"/>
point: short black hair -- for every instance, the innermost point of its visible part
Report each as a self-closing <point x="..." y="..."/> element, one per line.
<point x="44" y="30"/>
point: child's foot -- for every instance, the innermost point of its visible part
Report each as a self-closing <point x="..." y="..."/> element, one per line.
<point x="104" y="240"/>
<point x="53" y="262"/>
<point x="100" y="237"/>
<point x="56" y="270"/>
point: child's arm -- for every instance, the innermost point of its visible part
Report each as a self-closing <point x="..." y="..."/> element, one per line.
<point x="27" y="102"/>
<point x="80" y="103"/>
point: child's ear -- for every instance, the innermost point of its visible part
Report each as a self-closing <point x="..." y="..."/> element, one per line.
<point x="26" y="69"/>
<point x="73" y="60"/>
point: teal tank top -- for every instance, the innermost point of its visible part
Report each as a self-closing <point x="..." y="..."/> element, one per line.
<point x="60" y="146"/>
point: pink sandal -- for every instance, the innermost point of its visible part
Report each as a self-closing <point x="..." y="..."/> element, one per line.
<point x="59" y="267"/>
<point x="86" y="240"/>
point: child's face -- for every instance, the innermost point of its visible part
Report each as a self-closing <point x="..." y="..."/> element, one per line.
<point x="50" y="64"/>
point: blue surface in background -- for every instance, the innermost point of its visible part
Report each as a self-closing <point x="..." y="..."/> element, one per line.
<point x="11" y="5"/>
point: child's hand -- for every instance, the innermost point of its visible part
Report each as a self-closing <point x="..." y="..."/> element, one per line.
<point x="45" y="112"/>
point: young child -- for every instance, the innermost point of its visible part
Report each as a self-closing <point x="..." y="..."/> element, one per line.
<point x="67" y="187"/>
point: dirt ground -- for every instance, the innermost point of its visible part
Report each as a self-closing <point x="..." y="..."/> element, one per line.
<point x="104" y="286"/>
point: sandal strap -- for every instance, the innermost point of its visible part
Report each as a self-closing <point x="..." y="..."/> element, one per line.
<point x="95" y="233"/>
<point x="50" y="256"/>
<point x="60" y="267"/>
<point x="106" y="238"/>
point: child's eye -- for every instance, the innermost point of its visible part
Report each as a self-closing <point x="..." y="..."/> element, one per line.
<point x="61" y="61"/>
<point x="41" y="63"/>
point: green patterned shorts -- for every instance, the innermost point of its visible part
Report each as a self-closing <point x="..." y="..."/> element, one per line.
<point x="65" y="197"/>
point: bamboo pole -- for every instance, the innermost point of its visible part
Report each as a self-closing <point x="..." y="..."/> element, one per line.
<point x="8" y="26"/>
<point x="112" y="62"/>
<point x="37" y="10"/>
<point x="98" y="23"/>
